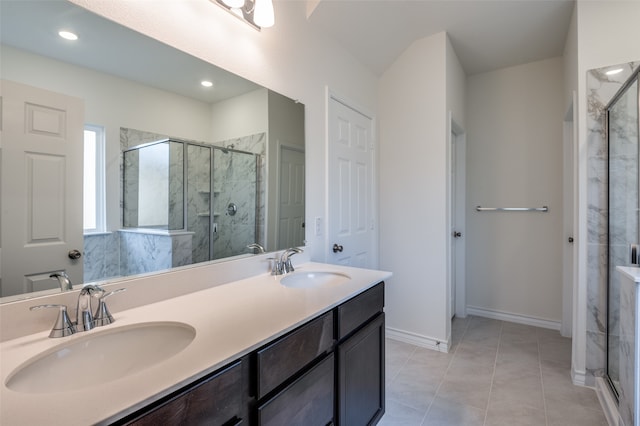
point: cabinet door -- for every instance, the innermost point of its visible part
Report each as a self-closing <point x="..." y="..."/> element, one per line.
<point x="361" y="376"/>
<point x="215" y="401"/>
<point x="308" y="401"/>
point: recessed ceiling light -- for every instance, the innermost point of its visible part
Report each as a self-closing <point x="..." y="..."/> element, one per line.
<point x="67" y="35"/>
<point x="613" y="72"/>
<point x="206" y="83"/>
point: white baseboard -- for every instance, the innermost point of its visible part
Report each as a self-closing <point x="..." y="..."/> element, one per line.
<point x="608" y="403"/>
<point x="510" y="317"/>
<point x="579" y="378"/>
<point x="417" y="339"/>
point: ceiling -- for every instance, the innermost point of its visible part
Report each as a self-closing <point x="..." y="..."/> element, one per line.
<point x="486" y="34"/>
<point x="105" y="46"/>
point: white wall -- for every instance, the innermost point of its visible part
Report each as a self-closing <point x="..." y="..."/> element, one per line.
<point x="413" y="127"/>
<point x="291" y="58"/>
<point x="282" y="130"/>
<point x="240" y="116"/>
<point x="514" y="159"/>
<point x="456" y="86"/>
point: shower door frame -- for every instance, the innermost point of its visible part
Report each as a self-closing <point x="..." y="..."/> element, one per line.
<point x="633" y="78"/>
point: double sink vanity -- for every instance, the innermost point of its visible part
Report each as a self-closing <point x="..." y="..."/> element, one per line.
<point x="214" y="344"/>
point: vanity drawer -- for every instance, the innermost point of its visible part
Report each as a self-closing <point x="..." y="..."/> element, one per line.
<point x="309" y="401"/>
<point x="216" y="400"/>
<point x="360" y="309"/>
<point x="289" y="354"/>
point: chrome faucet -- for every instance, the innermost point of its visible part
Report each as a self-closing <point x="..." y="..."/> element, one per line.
<point x="84" y="316"/>
<point x="256" y="246"/>
<point x="63" y="280"/>
<point x="284" y="265"/>
<point x="85" y="320"/>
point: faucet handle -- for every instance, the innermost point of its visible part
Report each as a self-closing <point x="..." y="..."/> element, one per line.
<point x="103" y="316"/>
<point x="285" y="259"/>
<point x="276" y="268"/>
<point x="63" y="326"/>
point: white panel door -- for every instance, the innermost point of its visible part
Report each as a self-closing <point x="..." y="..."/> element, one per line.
<point x="351" y="184"/>
<point x="291" y="205"/>
<point x="41" y="185"/>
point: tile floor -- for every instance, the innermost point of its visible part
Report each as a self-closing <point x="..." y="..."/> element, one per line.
<point x="496" y="373"/>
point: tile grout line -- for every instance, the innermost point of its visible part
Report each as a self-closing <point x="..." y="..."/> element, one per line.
<point x="544" y="396"/>
<point x="493" y="375"/>
<point x="435" y="395"/>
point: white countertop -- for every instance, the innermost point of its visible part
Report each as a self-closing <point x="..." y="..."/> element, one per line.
<point x="630" y="272"/>
<point x="230" y="320"/>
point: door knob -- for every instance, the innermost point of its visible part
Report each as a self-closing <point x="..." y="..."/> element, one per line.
<point x="74" y="254"/>
<point x="457" y="234"/>
<point x="337" y="248"/>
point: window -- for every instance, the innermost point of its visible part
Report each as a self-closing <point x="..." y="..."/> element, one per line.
<point x="94" y="189"/>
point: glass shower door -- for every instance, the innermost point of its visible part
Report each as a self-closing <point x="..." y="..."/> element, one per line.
<point x="235" y="192"/>
<point x="624" y="220"/>
<point x="199" y="200"/>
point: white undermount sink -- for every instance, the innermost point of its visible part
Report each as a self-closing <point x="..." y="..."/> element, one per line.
<point x="101" y="357"/>
<point x="310" y="279"/>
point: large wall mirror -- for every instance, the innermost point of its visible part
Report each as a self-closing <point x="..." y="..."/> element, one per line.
<point x="117" y="161"/>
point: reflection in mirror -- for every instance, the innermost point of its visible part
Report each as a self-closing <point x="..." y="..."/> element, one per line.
<point x="185" y="174"/>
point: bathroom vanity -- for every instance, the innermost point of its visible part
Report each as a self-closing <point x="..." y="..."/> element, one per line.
<point x="264" y="352"/>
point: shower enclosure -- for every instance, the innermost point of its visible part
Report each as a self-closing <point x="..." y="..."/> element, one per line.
<point x="206" y="193"/>
<point x="623" y="122"/>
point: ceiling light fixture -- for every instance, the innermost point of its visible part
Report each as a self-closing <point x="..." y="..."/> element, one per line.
<point x="67" y="35"/>
<point x="257" y="13"/>
<point x="614" y="71"/>
<point x="206" y="83"/>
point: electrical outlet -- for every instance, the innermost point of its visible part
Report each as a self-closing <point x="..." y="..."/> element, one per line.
<point x="318" y="225"/>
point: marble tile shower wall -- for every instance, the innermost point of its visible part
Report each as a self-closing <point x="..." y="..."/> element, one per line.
<point x="176" y="185"/>
<point x="116" y="254"/>
<point x="101" y="256"/>
<point x="143" y="252"/>
<point x="600" y="90"/>
<point x="256" y="144"/>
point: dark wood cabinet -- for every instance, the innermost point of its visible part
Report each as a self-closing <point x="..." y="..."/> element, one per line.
<point x="361" y="375"/>
<point x="216" y="400"/>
